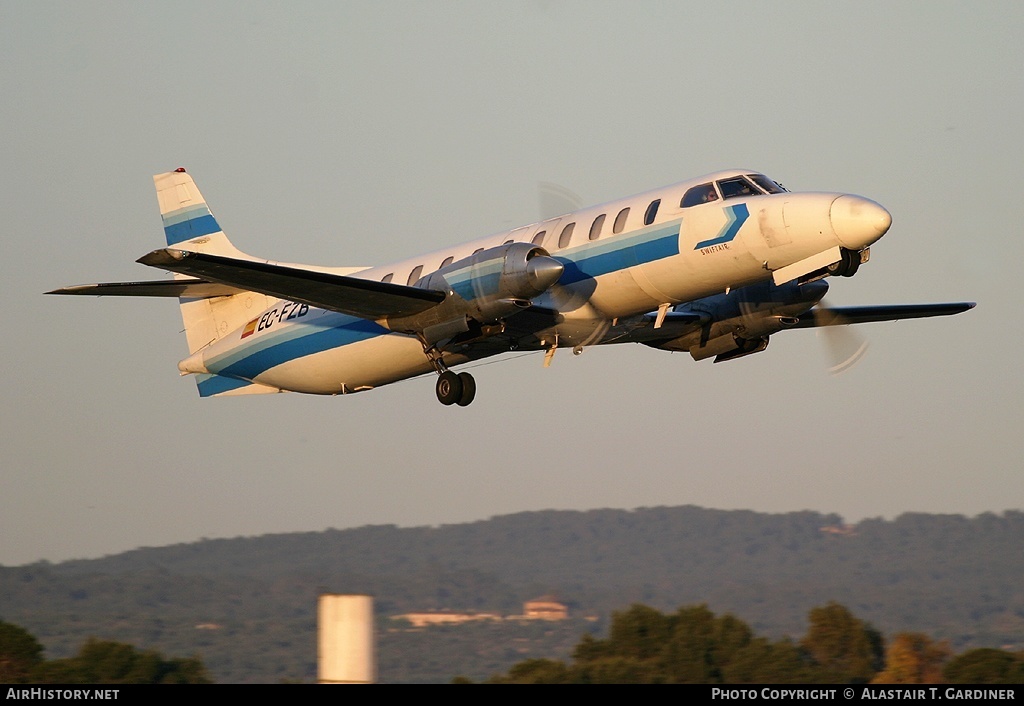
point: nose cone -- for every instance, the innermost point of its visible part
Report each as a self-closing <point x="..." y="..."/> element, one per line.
<point x="858" y="221"/>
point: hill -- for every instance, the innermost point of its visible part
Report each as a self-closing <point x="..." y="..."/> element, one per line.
<point x="247" y="605"/>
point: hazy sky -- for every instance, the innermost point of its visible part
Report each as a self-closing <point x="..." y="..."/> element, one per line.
<point x="357" y="133"/>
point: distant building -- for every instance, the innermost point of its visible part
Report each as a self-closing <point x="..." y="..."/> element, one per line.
<point x="443" y="617"/>
<point x="842" y="530"/>
<point x="545" y="608"/>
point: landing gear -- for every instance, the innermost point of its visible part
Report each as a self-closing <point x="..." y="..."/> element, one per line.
<point x="468" y="389"/>
<point x="449" y="388"/>
<point x="455" y="388"/>
<point x="452" y="388"/>
<point x="847" y="266"/>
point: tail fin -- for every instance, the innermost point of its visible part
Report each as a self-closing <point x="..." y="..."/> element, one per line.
<point x="188" y="222"/>
<point x="189" y="225"/>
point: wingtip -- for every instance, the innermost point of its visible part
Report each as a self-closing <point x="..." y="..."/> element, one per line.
<point x="162" y="257"/>
<point x="73" y="289"/>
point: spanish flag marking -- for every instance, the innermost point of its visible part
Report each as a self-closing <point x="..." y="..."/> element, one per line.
<point x="250" y="328"/>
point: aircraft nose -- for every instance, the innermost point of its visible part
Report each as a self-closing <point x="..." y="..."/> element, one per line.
<point x="858" y="221"/>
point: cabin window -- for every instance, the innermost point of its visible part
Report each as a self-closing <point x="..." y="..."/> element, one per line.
<point x="447" y="261"/>
<point x="651" y="212"/>
<point x="705" y="193"/>
<point x="539" y="238"/>
<point x="736" y="188"/>
<point x="620" y="220"/>
<point x="388" y="277"/>
<point x="595" y="229"/>
<point x="415" y="274"/>
<point x="566" y="236"/>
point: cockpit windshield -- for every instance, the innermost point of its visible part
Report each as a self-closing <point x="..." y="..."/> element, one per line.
<point x="731" y="188"/>
<point x="705" y="193"/>
<point x="771" y="187"/>
<point x="737" y="187"/>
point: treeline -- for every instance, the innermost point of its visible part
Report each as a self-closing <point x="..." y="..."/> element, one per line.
<point x="247" y="605"/>
<point x="694" y="646"/>
<point x="97" y="662"/>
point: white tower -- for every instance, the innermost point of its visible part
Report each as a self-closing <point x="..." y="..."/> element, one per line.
<point x="345" y="647"/>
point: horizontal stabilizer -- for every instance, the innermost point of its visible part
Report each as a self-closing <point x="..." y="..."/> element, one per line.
<point x="189" y="289"/>
<point x="366" y="299"/>
<point x="219" y="386"/>
<point x="843" y="315"/>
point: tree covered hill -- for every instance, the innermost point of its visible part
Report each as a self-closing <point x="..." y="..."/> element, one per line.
<point x="951" y="577"/>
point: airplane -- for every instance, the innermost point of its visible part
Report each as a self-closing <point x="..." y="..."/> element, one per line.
<point x="713" y="266"/>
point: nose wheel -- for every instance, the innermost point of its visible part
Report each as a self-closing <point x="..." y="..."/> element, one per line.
<point x="455" y="388"/>
<point x="847" y="265"/>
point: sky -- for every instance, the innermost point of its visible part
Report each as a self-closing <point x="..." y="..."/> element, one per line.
<point x="358" y="133"/>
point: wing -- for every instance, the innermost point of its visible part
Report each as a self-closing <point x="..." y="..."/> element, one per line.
<point x="843" y="315"/>
<point x="187" y="288"/>
<point x="363" y="298"/>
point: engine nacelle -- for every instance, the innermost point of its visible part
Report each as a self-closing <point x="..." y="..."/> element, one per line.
<point x="739" y="323"/>
<point x="483" y="288"/>
<point x="496" y="282"/>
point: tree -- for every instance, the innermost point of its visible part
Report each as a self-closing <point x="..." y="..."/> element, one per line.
<point x="20" y="654"/>
<point x="536" y="671"/>
<point x="639" y="633"/>
<point x="106" y="662"/>
<point x="847" y="650"/>
<point x="765" y="662"/>
<point x="913" y="658"/>
<point x="985" y="666"/>
<point x="700" y="644"/>
<point x="645" y="646"/>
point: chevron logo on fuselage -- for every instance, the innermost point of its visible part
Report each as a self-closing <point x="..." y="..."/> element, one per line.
<point x="736" y="216"/>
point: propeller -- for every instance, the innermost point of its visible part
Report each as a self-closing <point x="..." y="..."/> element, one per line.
<point x="844" y="347"/>
<point x="556" y="200"/>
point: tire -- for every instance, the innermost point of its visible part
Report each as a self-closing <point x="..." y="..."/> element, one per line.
<point x="449" y="388"/>
<point x="468" y="389"/>
<point x="852" y="262"/>
<point x="847" y="265"/>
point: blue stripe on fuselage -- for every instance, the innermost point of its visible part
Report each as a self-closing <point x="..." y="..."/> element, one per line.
<point x="593" y="261"/>
<point x="247" y="363"/>
<point x="586" y="261"/>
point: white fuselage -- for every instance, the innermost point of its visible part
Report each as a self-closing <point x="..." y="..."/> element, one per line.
<point x="647" y="252"/>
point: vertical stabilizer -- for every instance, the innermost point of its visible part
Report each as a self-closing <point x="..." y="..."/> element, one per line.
<point x="190" y="225"/>
<point x="188" y="222"/>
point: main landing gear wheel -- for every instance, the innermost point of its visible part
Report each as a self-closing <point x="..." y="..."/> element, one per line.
<point x="455" y="388"/>
<point x="449" y="388"/>
<point x="468" y="389"/>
